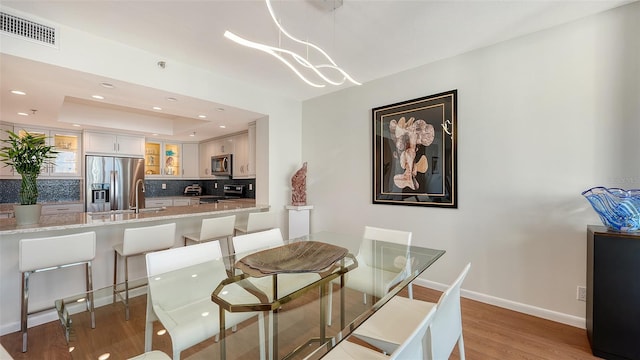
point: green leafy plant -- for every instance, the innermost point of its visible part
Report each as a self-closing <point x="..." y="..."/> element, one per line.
<point x="27" y="154"/>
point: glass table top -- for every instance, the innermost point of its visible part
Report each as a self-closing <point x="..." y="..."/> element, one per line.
<point x="290" y="309"/>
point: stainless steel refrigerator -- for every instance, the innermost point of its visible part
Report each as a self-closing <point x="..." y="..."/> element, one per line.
<point x="111" y="183"/>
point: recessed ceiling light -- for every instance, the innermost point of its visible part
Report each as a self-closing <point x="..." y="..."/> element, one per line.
<point x="76" y="125"/>
<point x="23" y="114"/>
<point x="172" y="99"/>
<point x="107" y="85"/>
<point x="18" y="92"/>
<point x="99" y="97"/>
<point x="193" y="134"/>
<point x="157" y="108"/>
<point x="222" y="127"/>
<point x="201" y="116"/>
<point x="154" y="134"/>
<point x="219" y="109"/>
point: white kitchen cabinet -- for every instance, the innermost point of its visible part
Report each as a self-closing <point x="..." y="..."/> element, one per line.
<point x="67" y="144"/>
<point x="190" y="160"/>
<point x="152" y="203"/>
<point x="240" y="155"/>
<point x="113" y="144"/>
<point x="205" y="153"/>
<point x="54" y="209"/>
<point x="251" y="150"/>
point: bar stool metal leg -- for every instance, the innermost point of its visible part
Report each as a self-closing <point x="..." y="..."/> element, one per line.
<point x="115" y="274"/>
<point x="126" y="288"/>
<point x="25" y="309"/>
<point x="90" y="304"/>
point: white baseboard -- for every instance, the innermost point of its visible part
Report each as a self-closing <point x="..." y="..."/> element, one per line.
<point x="571" y="320"/>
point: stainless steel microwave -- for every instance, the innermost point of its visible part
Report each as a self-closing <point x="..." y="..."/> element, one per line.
<point x="222" y="165"/>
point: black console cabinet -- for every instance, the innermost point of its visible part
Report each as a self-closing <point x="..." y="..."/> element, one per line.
<point x="613" y="293"/>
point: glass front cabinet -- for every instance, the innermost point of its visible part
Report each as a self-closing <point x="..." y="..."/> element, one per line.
<point x="67" y="144"/>
<point x="163" y="159"/>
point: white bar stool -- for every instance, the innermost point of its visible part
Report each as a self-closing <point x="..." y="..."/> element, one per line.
<point x="139" y="241"/>
<point x="213" y="229"/>
<point x="51" y="253"/>
<point x="256" y="221"/>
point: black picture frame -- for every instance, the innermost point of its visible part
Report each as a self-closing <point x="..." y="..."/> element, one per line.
<point x="415" y="152"/>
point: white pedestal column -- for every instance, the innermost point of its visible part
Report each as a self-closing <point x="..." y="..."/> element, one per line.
<point x="298" y="220"/>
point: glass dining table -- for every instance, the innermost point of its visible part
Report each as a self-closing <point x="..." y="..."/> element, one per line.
<point x="274" y="303"/>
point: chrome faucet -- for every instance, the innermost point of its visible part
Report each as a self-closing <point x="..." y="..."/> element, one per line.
<point x="139" y="181"/>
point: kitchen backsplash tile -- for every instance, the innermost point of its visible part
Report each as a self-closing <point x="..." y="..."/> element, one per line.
<point x="176" y="187"/>
<point x="52" y="190"/>
<point x="49" y="190"/>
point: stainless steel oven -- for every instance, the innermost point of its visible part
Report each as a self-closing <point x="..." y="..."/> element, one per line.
<point x="221" y="165"/>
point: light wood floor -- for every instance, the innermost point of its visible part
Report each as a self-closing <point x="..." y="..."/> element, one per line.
<point x="489" y="333"/>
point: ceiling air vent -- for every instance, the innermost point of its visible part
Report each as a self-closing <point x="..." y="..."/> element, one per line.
<point x="28" y="29"/>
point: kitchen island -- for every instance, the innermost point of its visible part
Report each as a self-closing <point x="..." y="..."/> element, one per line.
<point x="109" y="227"/>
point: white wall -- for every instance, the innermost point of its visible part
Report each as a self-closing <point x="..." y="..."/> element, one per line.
<point x="540" y="119"/>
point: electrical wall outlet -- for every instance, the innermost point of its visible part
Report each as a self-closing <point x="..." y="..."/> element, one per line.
<point x="250" y="187"/>
<point x="215" y="185"/>
<point x="164" y="186"/>
<point x="581" y="294"/>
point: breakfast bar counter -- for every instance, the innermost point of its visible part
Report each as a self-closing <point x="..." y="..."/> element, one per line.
<point x="109" y="228"/>
<point x="86" y="221"/>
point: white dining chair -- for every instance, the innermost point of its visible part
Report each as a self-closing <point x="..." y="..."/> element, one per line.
<point x="139" y="241"/>
<point x="52" y="253"/>
<point x="411" y="348"/>
<point x="182" y="301"/>
<point x="219" y="228"/>
<point x="287" y="283"/>
<point x="152" y="355"/>
<point x="388" y="327"/>
<point x="255" y="221"/>
<point x="372" y="276"/>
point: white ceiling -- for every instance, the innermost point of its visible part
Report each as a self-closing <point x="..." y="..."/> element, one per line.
<point x="369" y="39"/>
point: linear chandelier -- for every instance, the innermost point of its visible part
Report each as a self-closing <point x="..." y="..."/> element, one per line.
<point x="301" y="62"/>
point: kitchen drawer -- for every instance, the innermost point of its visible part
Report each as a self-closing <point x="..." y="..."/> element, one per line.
<point x="158" y="202"/>
<point x="54" y="209"/>
<point x="181" y="202"/>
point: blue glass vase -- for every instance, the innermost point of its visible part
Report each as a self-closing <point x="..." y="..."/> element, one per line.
<point x="619" y="209"/>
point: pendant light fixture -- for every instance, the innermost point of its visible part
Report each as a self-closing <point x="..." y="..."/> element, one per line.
<point x="301" y="63"/>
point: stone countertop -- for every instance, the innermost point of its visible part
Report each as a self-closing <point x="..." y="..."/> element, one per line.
<point x="86" y="220"/>
<point x="7" y="208"/>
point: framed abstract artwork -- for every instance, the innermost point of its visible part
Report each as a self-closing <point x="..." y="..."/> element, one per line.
<point x="414" y="152"/>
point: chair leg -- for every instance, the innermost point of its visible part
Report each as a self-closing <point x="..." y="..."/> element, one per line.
<point x="330" y="304"/>
<point x="25" y="309"/>
<point x="271" y="334"/>
<point x="126" y="288"/>
<point x="115" y="274"/>
<point x="410" y="288"/>
<point x="364" y="298"/>
<point x="461" y="347"/>
<point x="148" y="327"/>
<point x="90" y="304"/>
<point x="262" y="337"/>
